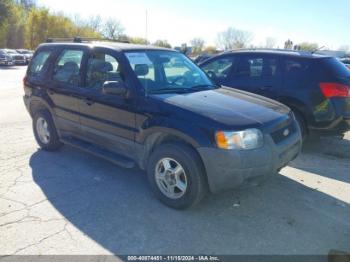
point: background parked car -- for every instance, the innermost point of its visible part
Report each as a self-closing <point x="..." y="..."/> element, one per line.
<point x="27" y="53"/>
<point x="346" y="61"/>
<point x="17" y="58"/>
<point x="5" y="59"/>
<point x="202" y="58"/>
<point x="316" y="88"/>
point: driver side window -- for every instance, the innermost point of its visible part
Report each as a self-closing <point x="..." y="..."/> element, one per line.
<point x="220" y="68"/>
<point x="67" y="67"/>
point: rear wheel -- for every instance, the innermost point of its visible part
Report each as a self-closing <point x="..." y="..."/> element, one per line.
<point x="176" y="175"/>
<point x="45" y="131"/>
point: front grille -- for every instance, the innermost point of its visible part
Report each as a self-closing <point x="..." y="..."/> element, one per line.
<point x="283" y="133"/>
<point x="19" y="57"/>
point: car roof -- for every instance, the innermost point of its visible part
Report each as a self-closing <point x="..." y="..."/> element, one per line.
<point x="9" y="50"/>
<point x="282" y="52"/>
<point x="111" y="45"/>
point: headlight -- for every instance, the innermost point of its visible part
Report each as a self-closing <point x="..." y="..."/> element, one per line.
<point x="247" y="139"/>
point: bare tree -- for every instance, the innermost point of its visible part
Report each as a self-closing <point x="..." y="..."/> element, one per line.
<point x="28" y="4"/>
<point x="306" y="46"/>
<point x="197" y="45"/>
<point x="288" y="44"/>
<point x="162" y="43"/>
<point x="113" y="29"/>
<point x="233" y="38"/>
<point x="270" y="42"/>
<point x="95" y="23"/>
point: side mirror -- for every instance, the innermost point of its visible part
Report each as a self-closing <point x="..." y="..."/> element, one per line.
<point x="114" y="88"/>
<point x="211" y="75"/>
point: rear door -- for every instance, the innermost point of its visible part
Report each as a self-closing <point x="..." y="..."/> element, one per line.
<point x="107" y="120"/>
<point x="257" y="73"/>
<point x="64" y="89"/>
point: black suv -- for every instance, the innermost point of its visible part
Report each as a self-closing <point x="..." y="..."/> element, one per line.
<point x="154" y="108"/>
<point x="316" y="88"/>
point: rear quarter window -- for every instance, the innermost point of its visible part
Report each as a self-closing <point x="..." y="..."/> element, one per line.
<point x="297" y="68"/>
<point x="335" y="67"/>
<point x="37" y="64"/>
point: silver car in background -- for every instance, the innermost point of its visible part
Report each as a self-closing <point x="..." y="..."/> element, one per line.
<point x="27" y="53"/>
<point x="17" y="58"/>
<point x="5" y="59"/>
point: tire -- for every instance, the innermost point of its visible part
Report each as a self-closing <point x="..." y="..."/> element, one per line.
<point x="51" y="141"/>
<point x="302" y="124"/>
<point x="193" y="175"/>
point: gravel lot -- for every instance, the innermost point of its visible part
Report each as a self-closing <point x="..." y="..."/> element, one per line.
<point x="69" y="202"/>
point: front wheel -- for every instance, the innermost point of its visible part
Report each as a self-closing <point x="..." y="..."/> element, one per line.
<point x="302" y="125"/>
<point x="176" y="175"/>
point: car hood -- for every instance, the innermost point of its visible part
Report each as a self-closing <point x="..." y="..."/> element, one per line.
<point x="229" y="107"/>
<point x="16" y="55"/>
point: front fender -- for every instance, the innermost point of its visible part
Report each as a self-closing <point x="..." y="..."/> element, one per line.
<point x="190" y="133"/>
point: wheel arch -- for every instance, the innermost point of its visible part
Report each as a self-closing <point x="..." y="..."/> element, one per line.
<point x="158" y="136"/>
<point x="298" y="106"/>
<point x="38" y="104"/>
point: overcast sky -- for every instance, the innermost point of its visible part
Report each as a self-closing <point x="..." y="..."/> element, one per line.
<point x="323" y="21"/>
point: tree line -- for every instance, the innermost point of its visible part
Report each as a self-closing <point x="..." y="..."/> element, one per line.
<point x="25" y="25"/>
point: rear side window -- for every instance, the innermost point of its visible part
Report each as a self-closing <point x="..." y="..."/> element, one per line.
<point x="67" y="67"/>
<point x="335" y="67"/>
<point x="296" y="68"/>
<point x="38" y="62"/>
<point x="249" y="67"/>
<point x="101" y="68"/>
<point x="256" y="67"/>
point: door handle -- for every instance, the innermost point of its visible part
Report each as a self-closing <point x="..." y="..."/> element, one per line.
<point x="88" y="101"/>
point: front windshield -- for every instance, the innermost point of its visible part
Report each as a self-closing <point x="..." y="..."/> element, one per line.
<point x="167" y="72"/>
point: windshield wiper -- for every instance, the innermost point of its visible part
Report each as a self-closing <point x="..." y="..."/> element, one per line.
<point x="183" y="90"/>
<point x="203" y="87"/>
<point x="170" y="90"/>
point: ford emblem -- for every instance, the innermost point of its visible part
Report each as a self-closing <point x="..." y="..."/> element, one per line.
<point x="286" y="132"/>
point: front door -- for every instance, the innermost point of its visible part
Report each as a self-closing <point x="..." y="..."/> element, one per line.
<point x="106" y="120"/>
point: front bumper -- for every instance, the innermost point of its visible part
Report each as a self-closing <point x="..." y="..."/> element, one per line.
<point x="6" y="62"/>
<point x="227" y="169"/>
<point x="20" y="62"/>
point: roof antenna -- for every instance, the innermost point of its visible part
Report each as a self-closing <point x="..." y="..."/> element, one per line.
<point x="146" y="33"/>
<point x="317" y="49"/>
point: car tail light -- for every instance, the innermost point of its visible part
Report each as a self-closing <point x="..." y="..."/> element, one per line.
<point x="348" y="66"/>
<point x="335" y="90"/>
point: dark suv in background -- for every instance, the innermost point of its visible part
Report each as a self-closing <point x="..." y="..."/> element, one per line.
<point x="154" y="108"/>
<point x="316" y="88"/>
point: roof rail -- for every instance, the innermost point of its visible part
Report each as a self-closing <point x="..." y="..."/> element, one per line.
<point x="268" y="49"/>
<point x="79" y="39"/>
